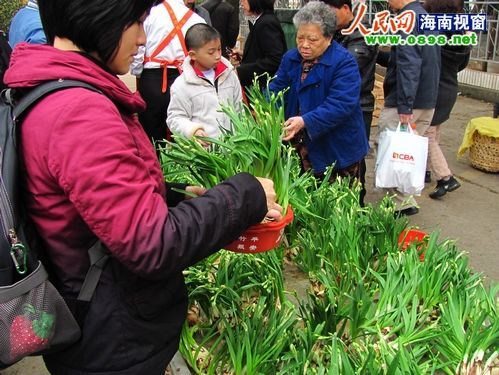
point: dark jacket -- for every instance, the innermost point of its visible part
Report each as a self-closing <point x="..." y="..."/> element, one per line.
<point x="328" y="101"/>
<point x="5" y="52"/>
<point x="203" y="13"/>
<point x="90" y="171"/>
<point x="263" y="49"/>
<point x="412" y="75"/>
<point x="454" y="59"/>
<point x="224" y="18"/>
<point x="366" y="60"/>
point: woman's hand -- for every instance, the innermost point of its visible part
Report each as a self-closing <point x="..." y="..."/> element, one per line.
<point x="292" y="126"/>
<point x="274" y="211"/>
<point x="194" y="191"/>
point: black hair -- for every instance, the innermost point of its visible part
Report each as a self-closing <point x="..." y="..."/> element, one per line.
<point x="338" y="3"/>
<point x="92" y="25"/>
<point x="317" y="13"/>
<point x="199" y="34"/>
<point x="260" y="6"/>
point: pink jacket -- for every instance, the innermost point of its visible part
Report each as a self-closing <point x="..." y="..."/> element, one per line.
<point x="91" y="171"/>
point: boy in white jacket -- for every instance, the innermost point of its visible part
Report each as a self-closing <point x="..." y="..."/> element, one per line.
<point x="208" y="80"/>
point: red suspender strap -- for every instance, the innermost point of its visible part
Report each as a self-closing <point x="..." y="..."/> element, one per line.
<point x="175" y="32"/>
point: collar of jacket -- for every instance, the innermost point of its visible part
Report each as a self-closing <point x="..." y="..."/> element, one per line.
<point x="191" y="74"/>
<point x="316" y="74"/>
<point x="252" y="21"/>
<point x="219" y="69"/>
<point x="325" y="59"/>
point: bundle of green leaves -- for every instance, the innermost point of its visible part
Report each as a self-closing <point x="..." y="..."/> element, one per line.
<point x="364" y="307"/>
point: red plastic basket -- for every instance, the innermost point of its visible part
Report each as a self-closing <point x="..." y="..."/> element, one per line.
<point x="408" y="236"/>
<point x="261" y="237"/>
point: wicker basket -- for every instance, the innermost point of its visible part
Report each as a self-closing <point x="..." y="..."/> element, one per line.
<point x="484" y="153"/>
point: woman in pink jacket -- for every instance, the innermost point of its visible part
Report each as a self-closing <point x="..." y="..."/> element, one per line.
<point x="91" y="173"/>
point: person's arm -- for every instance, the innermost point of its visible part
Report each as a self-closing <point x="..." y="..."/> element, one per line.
<point x="281" y="79"/>
<point x="363" y="54"/>
<point x="96" y="163"/>
<point x="232" y="27"/>
<point x="179" y="112"/>
<point x="408" y="61"/>
<point x="36" y="36"/>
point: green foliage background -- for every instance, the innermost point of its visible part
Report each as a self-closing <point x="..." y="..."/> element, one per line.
<point x="7" y="10"/>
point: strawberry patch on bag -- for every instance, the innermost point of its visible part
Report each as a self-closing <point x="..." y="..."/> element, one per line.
<point x="30" y="332"/>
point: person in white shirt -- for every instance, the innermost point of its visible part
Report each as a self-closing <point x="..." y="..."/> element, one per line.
<point x="207" y="82"/>
<point x="159" y="62"/>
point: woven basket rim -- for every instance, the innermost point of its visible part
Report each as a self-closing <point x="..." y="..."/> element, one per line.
<point x="484" y="152"/>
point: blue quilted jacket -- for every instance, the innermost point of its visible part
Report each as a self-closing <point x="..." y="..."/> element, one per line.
<point x="328" y="101"/>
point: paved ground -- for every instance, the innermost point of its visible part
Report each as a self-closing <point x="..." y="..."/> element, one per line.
<point x="470" y="215"/>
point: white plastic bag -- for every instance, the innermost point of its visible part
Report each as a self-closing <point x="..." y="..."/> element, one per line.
<point x="401" y="160"/>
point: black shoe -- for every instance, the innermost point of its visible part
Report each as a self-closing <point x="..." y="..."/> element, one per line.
<point x="444" y="186"/>
<point x="427" y="177"/>
<point x="406" y="212"/>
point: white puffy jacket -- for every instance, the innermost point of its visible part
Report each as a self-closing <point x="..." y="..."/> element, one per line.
<point x="195" y="101"/>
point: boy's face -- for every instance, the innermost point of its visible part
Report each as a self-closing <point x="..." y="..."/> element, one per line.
<point x="208" y="56"/>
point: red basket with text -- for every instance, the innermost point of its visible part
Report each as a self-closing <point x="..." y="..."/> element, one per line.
<point x="261" y="237"/>
<point x="413" y="236"/>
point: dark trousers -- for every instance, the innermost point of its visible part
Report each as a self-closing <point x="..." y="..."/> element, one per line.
<point x="368" y="118"/>
<point x="153" y="119"/>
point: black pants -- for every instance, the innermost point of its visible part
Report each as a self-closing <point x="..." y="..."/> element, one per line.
<point x="153" y="119"/>
<point x="368" y="118"/>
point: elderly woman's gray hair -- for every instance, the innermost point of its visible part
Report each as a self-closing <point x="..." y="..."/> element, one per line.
<point x="317" y="13"/>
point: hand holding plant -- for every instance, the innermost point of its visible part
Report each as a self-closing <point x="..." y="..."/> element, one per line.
<point x="292" y="126"/>
<point x="194" y="191"/>
<point x="201" y="133"/>
<point x="274" y="210"/>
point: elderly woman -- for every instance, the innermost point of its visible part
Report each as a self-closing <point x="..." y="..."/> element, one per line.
<point x="324" y="118"/>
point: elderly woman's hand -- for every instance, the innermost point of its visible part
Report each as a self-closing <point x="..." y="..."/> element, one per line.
<point x="292" y="126"/>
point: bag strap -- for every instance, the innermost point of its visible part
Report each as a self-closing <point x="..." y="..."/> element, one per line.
<point x="98" y="253"/>
<point x="408" y="128"/>
<point x="40" y="91"/>
<point x="98" y="258"/>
